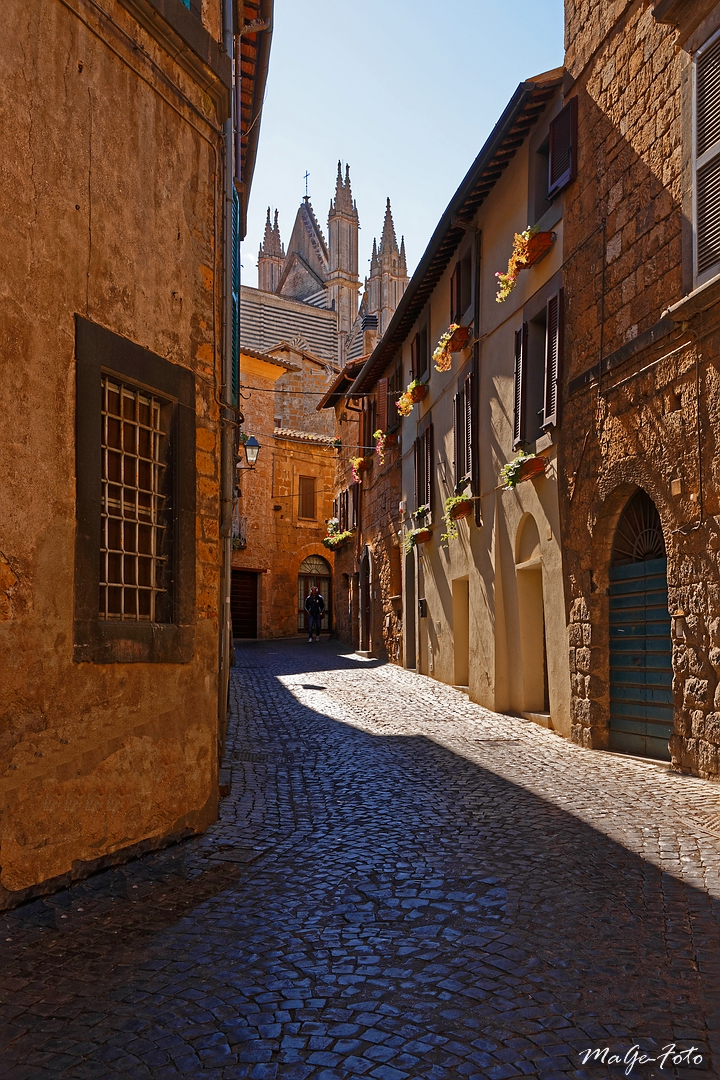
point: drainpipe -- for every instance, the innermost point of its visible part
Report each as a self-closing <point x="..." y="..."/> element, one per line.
<point x="227" y="417"/>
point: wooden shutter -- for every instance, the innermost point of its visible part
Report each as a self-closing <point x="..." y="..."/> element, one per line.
<point x="383" y="390"/>
<point x="458" y="427"/>
<point x="355" y="509"/>
<point x="414" y="358"/>
<point x="428" y="466"/>
<point x="336" y="509"/>
<point x="418" y="473"/>
<point x="306" y="492"/>
<point x="468" y="426"/>
<point x="707" y="157"/>
<point x="521" y="337"/>
<point x="553" y="358"/>
<point x="562" y="160"/>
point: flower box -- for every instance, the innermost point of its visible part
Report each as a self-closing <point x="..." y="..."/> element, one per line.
<point x="422" y="536"/>
<point x="418" y="393"/>
<point x="459" y="339"/>
<point x="537" y="248"/>
<point x="531" y="468"/>
<point x="461" y="510"/>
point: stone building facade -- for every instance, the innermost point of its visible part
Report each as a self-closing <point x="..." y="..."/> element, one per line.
<point x="283" y="502"/>
<point x="368" y="570"/>
<point x="482" y="602"/>
<point x="111" y="330"/>
<point x="638" y="473"/>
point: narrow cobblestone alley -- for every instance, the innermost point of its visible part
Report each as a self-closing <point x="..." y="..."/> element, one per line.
<point x="401" y="885"/>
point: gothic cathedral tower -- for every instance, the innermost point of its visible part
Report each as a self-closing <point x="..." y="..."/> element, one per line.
<point x="271" y="257"/>
<point x="388" y="275"/>
<point x="342" y="284"/>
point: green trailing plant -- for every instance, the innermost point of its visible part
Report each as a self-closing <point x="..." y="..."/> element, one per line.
<point x="336" y="537"/>
<point x="510" y="473"/>
<point x="451" y="529"/>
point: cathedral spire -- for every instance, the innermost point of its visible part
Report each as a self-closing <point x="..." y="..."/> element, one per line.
<point x="270" y="256"/>
<point x="402" y="262"/>
<point x="388" y="240"/>
<point x="343" y="201"/>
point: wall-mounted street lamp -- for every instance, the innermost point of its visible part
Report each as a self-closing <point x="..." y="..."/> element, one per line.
<point x="252" y="448"/>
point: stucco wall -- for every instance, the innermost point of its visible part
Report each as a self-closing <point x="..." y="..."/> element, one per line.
<point x="108" y="206"/>
<point x="485" y="557"/>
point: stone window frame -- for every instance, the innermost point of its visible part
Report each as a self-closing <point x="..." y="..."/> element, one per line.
<point x="99" y="351"/>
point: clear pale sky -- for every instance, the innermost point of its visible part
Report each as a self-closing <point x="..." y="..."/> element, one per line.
<point x="405" y="91"/>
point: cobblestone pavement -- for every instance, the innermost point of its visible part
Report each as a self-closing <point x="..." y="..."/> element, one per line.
<point x="401" y="885"/>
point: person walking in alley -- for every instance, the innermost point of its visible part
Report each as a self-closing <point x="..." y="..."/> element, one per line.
<point x="315" y="606"/>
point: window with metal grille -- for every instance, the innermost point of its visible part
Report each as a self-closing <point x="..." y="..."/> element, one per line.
<point x="306" y="502"/>
<point x="135" y="489"/>
<point x="134" y="543"/>
<point x="707" y="160"/>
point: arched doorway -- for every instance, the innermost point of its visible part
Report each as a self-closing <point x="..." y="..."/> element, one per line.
<point x="314" y="570"/>
<point x="641" y="702"/>
<point x="365" y="600"/>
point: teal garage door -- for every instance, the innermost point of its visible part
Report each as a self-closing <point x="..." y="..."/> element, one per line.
<point x="641" y="703"/>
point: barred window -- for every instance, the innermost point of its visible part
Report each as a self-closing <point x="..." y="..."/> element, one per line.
<point x="134" y="543"/>
<point x="135" y="485"/>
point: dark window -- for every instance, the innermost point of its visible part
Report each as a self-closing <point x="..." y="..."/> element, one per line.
<point x="369" y="425"/>
<point x="306" y="502"/>
<point x="420" y="354"/>
<point x="424" y="469"/>
<point x="354" y="506"/>
<point x="538" y="359"/>
<point x="562" y="156"/>
<point x="135" y="466"/>
<point x="540" y="164"/>
<point x="707" y="160"/>
<point x="461" y="289"/>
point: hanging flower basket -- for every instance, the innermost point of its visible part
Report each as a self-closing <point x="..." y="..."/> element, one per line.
<point x="523" y="467"/>
<point x="528" y="248"/>
<point x="456" y="507"/>
<point x="461" y="509"/>
<point x="538" y="246"/>
<point x="337" y="541"/>
<point x="414" y="392"/>
<point x="359" y="465"/>
<point x="415" y="537"/>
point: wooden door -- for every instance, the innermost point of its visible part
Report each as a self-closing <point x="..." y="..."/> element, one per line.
<point x="244" y="603"/>
<point x="641" y="700"/>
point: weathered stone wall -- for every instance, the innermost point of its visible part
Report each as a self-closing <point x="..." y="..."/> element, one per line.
<point x="109" y="189"/>
<point x="298" y="393"/>
<point x="379" y="522"/>
<point x="652" y="420"/>
<point x="277" y="539"/>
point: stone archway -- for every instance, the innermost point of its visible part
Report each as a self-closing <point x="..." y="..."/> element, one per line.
<point x="314" y="570"/>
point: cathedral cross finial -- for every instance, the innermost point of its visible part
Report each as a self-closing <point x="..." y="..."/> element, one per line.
<point x="307" y="174"/>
